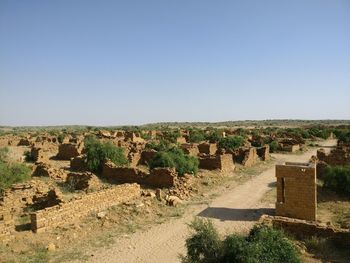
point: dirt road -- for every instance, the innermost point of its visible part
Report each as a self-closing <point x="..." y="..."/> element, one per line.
<point x="234" y="210"/>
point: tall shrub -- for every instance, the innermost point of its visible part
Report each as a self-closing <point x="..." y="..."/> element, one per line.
<point x="175" y="158"/>
<point x="97" y="152"/>
<point x="231" y="143"/>
<point x="337" y="178"/>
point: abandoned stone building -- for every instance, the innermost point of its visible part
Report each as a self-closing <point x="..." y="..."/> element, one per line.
<point x="296" y="190"/>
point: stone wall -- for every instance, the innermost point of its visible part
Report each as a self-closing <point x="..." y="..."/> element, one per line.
<point x="67" y="213"/>
<point x="24" y="142"/>
<point x="46" y="170"/>
<point x="263" y="152"/>
<point x="289" y="147"/>
<point x="296" y="190"/>
<point x="7" y="225"/>
<point x="161" y="177"/>
<point x="305" y="229"/>
<point x="147" y="155"/>
<point x="32" y="194"/>
<point x="83" y="181"/>
<point x="158" y="177"/>
<point x="245" y="156"/>
<point x="134" y="158"/>
<point x="78" y="163"/>
<point x="39" y="154"/>
<point x="133" y="137"/>
<point x="338" y="156"/>
<point x="190" y="148"/>
<point x="208" y="148"/>
<point x="66" y="151"/>
<point x="221" y="162"/>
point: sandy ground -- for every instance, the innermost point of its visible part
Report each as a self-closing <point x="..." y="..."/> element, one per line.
<point x="234" y="210"/>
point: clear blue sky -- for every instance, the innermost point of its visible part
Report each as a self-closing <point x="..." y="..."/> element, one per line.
<point x="133" y="62"/>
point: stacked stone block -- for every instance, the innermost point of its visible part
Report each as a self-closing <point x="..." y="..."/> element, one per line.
<point x="296" y="190"/>
<point x="67" y="213"/>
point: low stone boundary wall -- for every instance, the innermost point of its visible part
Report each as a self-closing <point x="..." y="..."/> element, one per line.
<point x="158" y="177"/>
<point x="66" y="213"/>
<point x="304" y="229"/>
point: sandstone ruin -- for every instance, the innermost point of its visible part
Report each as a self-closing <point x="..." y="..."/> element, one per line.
<point x="66" y="151"/>
<point x="296" y="190"/>
<point x="66" y="213"/>
<point x="158" y="177"/>
<point x="222" y="162"/>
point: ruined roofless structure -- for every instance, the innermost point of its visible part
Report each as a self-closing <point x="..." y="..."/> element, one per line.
<point x="296" y="190"/>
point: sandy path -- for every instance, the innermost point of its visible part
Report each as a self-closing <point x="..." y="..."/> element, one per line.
<point x="235" y="210"/>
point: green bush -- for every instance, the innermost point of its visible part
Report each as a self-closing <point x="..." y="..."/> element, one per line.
<point x="205" y="245"/>
<point x="171" y="136"/>
<point x="28" y="156"/>
<point x="263" y="244"/>
<point x="196" y="136"/>
<point x="175" y="158"/>
<point x="273" y="146"/>
<point x="343" y="135"/>
<point x="161" y="146"/>
<point x="97" y="152"/>
<point x="271" y="245"/>
<point x="337" y="178"/>
<point x="231" y="143"/>
<point x="213" y="136"/>
<point x="11" y="173"/>
<point x="60" y="138"/>
<point x="320" y="132"/>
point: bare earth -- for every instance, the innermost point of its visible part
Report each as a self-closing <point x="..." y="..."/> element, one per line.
<point x="234" y="210"/>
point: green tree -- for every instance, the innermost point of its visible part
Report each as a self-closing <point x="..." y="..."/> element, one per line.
<point x="97" y="152"/>
<point x="231" y="143"/>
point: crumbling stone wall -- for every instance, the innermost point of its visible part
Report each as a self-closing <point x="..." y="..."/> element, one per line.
<point x="147" y="155"/>
<point x="134" y="158"/>
<point x="208" y="148"/>
<point x="39" y="154"/>
<point x="24" y="142"/>
<point x="264" y="152"/>
<point x="190" y="148"/>
<point x="161" y="177"/>
<point x="289" y="145"/>
<point x="158" y="177"/>
<point x="133" y="137"/>
<point x="245" y="156"/>
<point x="83" y="181"/>
<point x="306" y="229"/>
<point x="66" y="151"/>
<point x="296" y="190"/>
<point x="67" y="213"/>
<point x="338" y="156"/>
<point x="223" y="162"/>
<point x="45" y="170"/>
<point x="33" y="194"/>
<point x="78" y="163"/>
